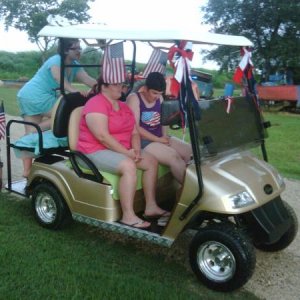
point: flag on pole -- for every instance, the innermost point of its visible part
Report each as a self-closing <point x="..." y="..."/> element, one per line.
<point x="2" y="121"/>
<point x="157" y="63"/>
<point x="113" y="69"/>
<point x="245" y="66"/>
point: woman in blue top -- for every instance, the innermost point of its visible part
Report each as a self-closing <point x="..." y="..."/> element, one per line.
<point x="38" y="96"/>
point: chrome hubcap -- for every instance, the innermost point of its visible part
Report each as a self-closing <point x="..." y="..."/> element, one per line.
<point x="216" y="261"/>
<point x="45" y="207"/>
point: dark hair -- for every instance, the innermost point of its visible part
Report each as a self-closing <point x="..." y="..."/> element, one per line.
<point x="98" y="86"/>
<point x="68" y="43"/>
<point x="156" y="81"/>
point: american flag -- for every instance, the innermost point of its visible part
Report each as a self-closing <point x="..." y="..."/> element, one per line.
<point x="113" y="69"/>
<point x="157" y="62"/>
<point x="151" y="118"/>
<point x="2" y="121"/>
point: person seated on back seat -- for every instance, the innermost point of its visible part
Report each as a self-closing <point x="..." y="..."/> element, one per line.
<point x="109" y="138"/>
<point x="146" y="105"/>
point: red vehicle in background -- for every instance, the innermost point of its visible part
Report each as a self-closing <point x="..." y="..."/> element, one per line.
<point x="280" y="90"/>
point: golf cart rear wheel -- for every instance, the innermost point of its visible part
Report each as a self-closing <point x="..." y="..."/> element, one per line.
<point x="287" y="238"/>
<point x="222" y="257"/>
<point x="49" y="206"/>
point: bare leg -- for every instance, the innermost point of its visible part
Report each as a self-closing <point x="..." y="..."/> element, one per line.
<point x="127" y="187"/>
<point x="150" y="165"/>
<point x="27" y="163"/>
<point x="44" y="123"/>
<point x="169" y="157"/>
<point x="184" y="149"/>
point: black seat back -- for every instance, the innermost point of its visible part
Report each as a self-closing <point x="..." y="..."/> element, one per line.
<point x="61" y="113"/>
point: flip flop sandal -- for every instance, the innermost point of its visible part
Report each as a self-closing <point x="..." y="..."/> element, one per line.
<point x="164" y="215"/>
<point x="133" y="225"/>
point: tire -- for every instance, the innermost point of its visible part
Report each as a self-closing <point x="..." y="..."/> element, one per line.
<point x="287" y="238"/>
<point x="222" y="257"/>
<point x="49" y="207"/>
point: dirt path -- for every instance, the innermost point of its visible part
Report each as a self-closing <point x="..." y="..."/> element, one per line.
<point x="277" y="275"/>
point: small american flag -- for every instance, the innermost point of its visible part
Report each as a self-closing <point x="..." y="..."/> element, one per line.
<point x="157" y="63"/>
<point x="151" y="118"/>
<point x="2" y="121"/>
<point x="113" y="69"/>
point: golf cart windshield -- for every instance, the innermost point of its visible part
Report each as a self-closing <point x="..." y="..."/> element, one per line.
<point x="229" y="126"/>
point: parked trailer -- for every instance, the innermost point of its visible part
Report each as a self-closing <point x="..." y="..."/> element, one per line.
<point x="281" y="93"/>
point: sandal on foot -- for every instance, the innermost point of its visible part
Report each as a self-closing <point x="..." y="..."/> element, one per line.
<point x="134" y="225"/>
<point x="164" y="215"/>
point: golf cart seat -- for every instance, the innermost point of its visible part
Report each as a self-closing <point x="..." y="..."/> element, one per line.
<point x="42" y="145"/>
<point x="50" y="141"/>
<point x="86" y="169"/>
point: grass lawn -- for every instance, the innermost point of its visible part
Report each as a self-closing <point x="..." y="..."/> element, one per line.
<point x="9" y="98"/>
<point x="283" y="143"/>
<point x="81" y="262"/>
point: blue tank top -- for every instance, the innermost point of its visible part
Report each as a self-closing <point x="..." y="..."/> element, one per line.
<point x="150" y="117"/>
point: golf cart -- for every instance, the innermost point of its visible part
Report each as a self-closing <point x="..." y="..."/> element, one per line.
<point x="230" y="198"/>
<point x="204" y="82"/>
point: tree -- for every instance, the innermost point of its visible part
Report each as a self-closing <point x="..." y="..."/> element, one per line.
<point x="31" y="16"/>
<point x="272" y="25"/>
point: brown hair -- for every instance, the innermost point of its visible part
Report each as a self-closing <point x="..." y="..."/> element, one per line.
<point x="97" y="88"/>
<point x="68" y="43"/>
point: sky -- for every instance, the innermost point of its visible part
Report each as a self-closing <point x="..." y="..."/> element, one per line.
<point x="158" y="13"/>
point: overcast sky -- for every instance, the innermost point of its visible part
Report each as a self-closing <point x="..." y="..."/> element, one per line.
<point x="154" y="12"/>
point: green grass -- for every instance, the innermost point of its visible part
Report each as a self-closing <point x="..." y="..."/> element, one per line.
<point x="283" y="143"/>
<point x="81" y="262"/>
<point x="9" y="97"/>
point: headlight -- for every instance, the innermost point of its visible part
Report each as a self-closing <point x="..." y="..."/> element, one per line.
<point x="280" y="180"/>
<point x="241" y="200"/>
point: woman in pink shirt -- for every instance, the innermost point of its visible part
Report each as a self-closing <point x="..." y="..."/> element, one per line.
<point x="109" y="138"/>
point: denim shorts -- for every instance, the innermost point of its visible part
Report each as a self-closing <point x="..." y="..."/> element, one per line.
<point x="145" y="143"/>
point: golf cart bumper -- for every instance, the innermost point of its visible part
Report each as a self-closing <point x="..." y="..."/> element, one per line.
<point x="269" y="222"/>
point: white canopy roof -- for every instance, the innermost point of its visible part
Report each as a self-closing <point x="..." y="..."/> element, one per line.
<point x="103" y="32"/>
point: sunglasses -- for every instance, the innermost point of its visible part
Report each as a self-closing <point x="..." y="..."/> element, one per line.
<point x="75" y="48"/>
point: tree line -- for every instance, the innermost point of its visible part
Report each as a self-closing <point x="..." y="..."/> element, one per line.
<point x="23" y="65"/>
<point x="272" y="25"/>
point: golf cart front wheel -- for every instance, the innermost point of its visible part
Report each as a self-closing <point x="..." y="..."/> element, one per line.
<point x="49" y="206"/>
<point x="222" y="257"/>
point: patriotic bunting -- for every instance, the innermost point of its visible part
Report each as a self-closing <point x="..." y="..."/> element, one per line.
<point x="245" y="66"/>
